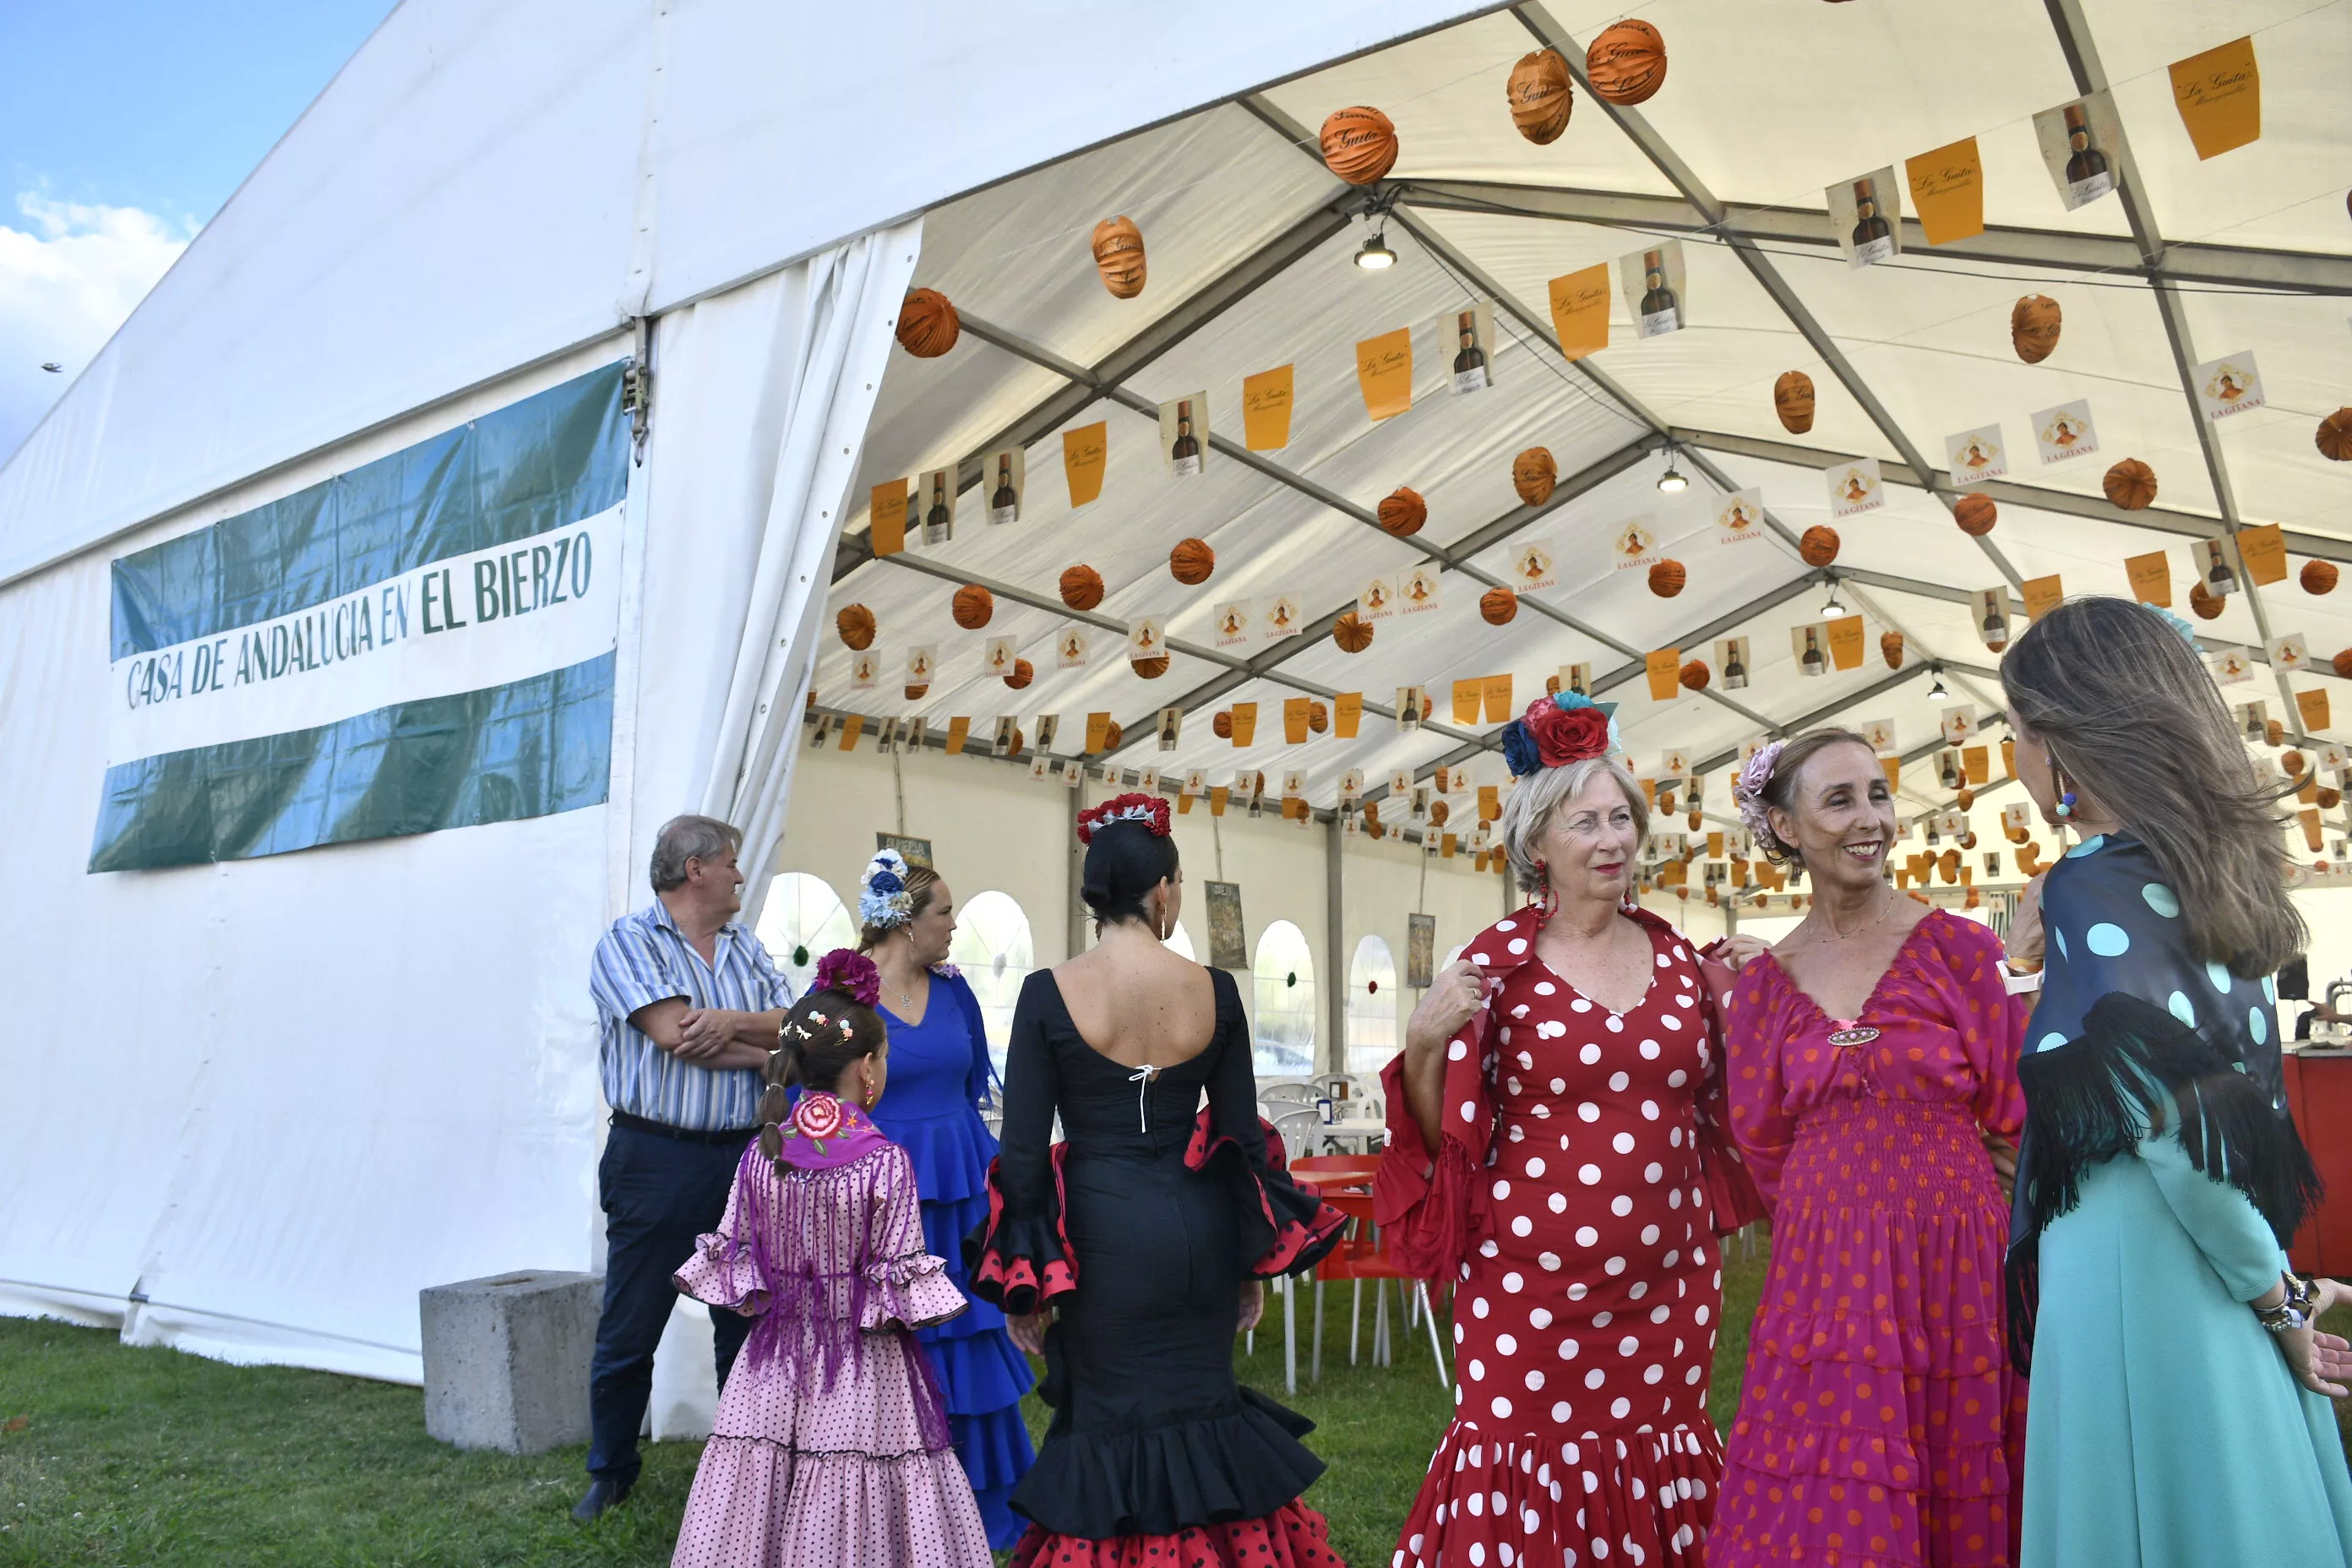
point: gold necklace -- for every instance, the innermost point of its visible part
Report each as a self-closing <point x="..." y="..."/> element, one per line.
<point x="1886" y="907"/>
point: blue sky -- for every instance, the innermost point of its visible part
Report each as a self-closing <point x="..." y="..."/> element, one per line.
<point x="123" y="127"/>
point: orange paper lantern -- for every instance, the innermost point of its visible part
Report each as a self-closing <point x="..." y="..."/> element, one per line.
<point x="1318" y="716"/>
<point x="2293" y="761"/>
<point x="2275" y="732"/>
<point x="1023" y="672"/>
<point x="1403" y="512"/>
<point x="1793" y="399"/>
<point x="1498" y="605"/>
<point x="1819" y="547"/>
<point x="855" y="625"/>
<point x="1119" y="256"/>
<point x="1360" y="144"/>
<point x="1976" y="514"/>
<point x="1438" y="812"/>
<point x="2333" y="436"/>
<point x="1112" y="735"/>
<point x="973" y="604"/>
<point x="1082" y="587"/>
<point x="1353" y="633"/>
<point x="2342" y="663"/>
<point x="2207" y="605"/>
<point x="927" y="324"/>
<point x="2033" y="324"/>
<point x="1666" y="579"/>
<point x="1534" y="475"/>
<point x="2318" y="576"/>
<point x="1966" y="798"/>
<point x="1222" y="726"/>
<point x="1890" y="648"/>
<point x="917" y="693"/>
<point x="1151" y="669"/>
<point x="2130" y="484"/>
<point x="1540" y="96"/>
<point x="1191" y="561"/>
<point x="1626" y="63"/>
<point x="1695" y="675"/>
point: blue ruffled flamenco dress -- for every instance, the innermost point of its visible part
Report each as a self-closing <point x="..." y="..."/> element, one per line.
<point x="939" y="1072"/>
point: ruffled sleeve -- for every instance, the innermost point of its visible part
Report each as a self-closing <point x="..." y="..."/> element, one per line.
<point x="1020" y="1257"/>
<point x="1733" y="1198"/>
<point x="1755" y="1090"/>
<point x="723" y="1270"/>
<point x="899" y="1282"/>
<point x="1430" y="1205"/>
<point x="1285" y="1229"/>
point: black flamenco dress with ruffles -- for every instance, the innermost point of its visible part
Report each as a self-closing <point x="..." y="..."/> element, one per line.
<point x="1141" y="1227"/>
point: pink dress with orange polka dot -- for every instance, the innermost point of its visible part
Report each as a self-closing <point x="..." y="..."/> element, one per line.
<point x="1880" y="1425"/>
<point x="1587" y="1298"/>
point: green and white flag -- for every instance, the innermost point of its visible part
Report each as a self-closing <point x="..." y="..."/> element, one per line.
<point x="424" y="642"/>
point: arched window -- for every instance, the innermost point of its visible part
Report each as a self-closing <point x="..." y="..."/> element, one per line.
<point x="1285" y="973"/>
<point x="992" y="948"/>
<point x="1179" y="943"/>
<point x="1371" y="1006"/>
<point x="802" y="921"/>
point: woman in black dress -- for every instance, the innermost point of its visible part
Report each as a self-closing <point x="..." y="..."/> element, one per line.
<point x="1129" y="1254"/>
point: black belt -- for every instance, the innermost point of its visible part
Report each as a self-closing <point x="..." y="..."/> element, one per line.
<point x="683" y="1135"/>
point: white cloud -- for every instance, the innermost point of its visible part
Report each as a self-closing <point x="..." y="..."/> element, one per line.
<point x="69" y="276"/>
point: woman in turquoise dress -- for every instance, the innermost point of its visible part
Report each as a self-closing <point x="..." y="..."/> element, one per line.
<point x="2180" y="1413"/>
<point x="939" y="1073"/>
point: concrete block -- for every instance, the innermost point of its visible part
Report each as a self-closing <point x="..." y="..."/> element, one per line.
<point x="506" y="1359"/>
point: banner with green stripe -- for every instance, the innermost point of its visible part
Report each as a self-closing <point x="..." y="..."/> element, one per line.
<point x="421" y="643"/>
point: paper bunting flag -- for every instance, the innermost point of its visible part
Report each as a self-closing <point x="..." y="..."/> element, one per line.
<point x="2219" y="96"/>
<point x="1854" y="488"/>
<point x="2042" y="596"/>
<point x="1866" y="215"/>
<point x="2289" y="655"/>
<point x="885" y="517"/>
<point x="1281" y="616"/>
<point x="1739" y="517"/>
<point x="2262" y="550"/>
<point x="1654" y="288"/>
<point x="1948" y="190"/>
<point x="1978" y="454"/>
<point x="1810" y="643"/>
<point x="2231" y="666"/>
<point x="1417" y="590"/>
<point x="1663" y="666"/>
<point x="1244" y="722"/>
<point x="1731" y="663"/>
<point x="1579" y="311"/>
<point x="1846" y="642"/>
<point x="1170" y="727"/>
<point x="959" y="735"/>
<point x="939" y="503"/>
<point x="1467" y="333"/>
<point x="1376" y="600"/>
<point x="1084" y="451"/>
<point x="1531" y="566"/>
<point x="1635" y="543"/>
<point x="1880" y="733"/>
<point x="1184" y="435"/>
<point x="2065" y="432"/>
<point x="2151" y="578"/>
<point x="1384" y="372"/>
<point x="2231" y="385"/>
<point x="1991" y="613"/>
<point x="1265" y="409"/>
<point x="1000" y="657"/>
<point x="1233" y="625"/>
<point x="2076" y="140"/>
<point x="1006" y="474"/>
<point x="1070" y="644"/>
<point x="1147" y="638"/>
<point x="864" y="669"/>
<point x="1347" y="714"/>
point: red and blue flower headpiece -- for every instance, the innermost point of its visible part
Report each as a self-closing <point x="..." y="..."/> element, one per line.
<point x="1558" y="730"/>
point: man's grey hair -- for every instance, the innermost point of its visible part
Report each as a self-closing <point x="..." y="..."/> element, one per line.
<point x="1527" y="811"/>
<point x="689" y="837"/>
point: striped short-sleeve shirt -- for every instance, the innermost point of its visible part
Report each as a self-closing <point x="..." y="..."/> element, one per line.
<point x="643" y="959"/>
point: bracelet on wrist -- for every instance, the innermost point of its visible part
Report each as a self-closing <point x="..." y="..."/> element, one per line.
<point x="2293" y="1310"/>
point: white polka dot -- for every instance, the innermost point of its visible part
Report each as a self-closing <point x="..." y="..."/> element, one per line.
<point x="1526" y="1061"/>
<point x="1545" y="988"/>
<point x="1692" y="1375"/>
<point x="1550" y="1262"/>
<point x="1507" y="925"/>
<point x="1638" y="1289"/>
<point x="1650" y="1049"/>
<point x="1477" y="1371"/>
<point x="1621" y="1205"/>
<point x="1514" y="1282"/>
<point x="1652" y="1171"/>
<point x="1671" y="1022"/>
<point x="1520" y="1010"/>
<point x="1618" y="1082"/>
<point x="1616" y="1024"/>
<point x="1521" y="1225"/>
<point x="1660" y="1313"/>
<point x="1580" y="1006"/>
<point x="1588" y="1112"/>
<point x="1677" y="1078"/>
<point x="1623" y="1142"/>
<point x="1502" y="1189"/>
<point x="1518" y="944"/>
<point x="1589" y="1055"/>
<point x="1559" y="1084"/>
<point x="1576" y="1291"/>
<point x="1535" y="1166"/>
<point x="1613" y="1267"/>
<point x="1595" y="1378"/>
<point x="1534" y="1380"/>
<point x="1487" y="1249"/>
<point x="1700" y="1314"/>
<point x="1649" y="1235"/>
<point x="1684" y="1002"/>
<point x="1480" y="958"/>
<point x="1558" y="1201"/>
<point x="1619" y="1406"/>
<point x="1506" y="1343"/>
<point x="1457" y="1051"/>
<point x="1653" y="1373"/>
<point x="1674" y="1255"/>
<point x="1559" y="1413"/>
<point x="1674" y="1198"/>
<point x="1541" y="1316"/>
<point x="1502" y="1409"/>
<point x="1479" y="1308"/>
<point x="1588" y="1174"/>
<point x="1469" y="1112"/>
<point x="1649" y="1111"/>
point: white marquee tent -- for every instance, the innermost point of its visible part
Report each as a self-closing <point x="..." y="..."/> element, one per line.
<point x="262" y="1098"/>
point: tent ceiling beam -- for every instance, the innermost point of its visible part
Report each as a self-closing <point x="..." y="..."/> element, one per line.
<point x="1164" y="333"/>
<point x="1960" y="671"/>
<point x="2049" y="251"/>
<point x="1637" y="128"/>
<point x="2082" y="53"/>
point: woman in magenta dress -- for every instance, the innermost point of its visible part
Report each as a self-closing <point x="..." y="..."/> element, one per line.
<point x="1873" y="1080"/>
<point x="831" y="1443"/>
<point x="1562" y="1073"/>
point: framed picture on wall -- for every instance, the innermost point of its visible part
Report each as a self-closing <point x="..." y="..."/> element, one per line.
<point x="1228" y="940"/>
<point x="1420" y="951"/>
<point x="917" y="851"/>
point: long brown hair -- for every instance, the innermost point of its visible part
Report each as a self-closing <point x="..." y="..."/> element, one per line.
<point x="920" y="880"/>
<point x="2129" y="713"/>
<point x="1781" y="789"/>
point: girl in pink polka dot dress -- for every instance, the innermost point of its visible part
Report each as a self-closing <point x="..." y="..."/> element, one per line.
<point x="1880" y="1425"/>
<point x="1572" y="1196"/>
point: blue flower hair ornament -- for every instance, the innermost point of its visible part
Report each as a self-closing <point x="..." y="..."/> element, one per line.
<point x="883" y="900"/>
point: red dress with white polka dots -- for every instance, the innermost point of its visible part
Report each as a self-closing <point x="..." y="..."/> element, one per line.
<point x="1585" y="1313"/>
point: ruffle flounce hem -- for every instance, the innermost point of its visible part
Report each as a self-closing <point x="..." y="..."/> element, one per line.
<point x="1292" y="1536"/>
<point x="1646" y="1498"/>
<point x="756" y="1500"/>
<point x="1241" y="1463"/>
<point x="1285" y="1229"/>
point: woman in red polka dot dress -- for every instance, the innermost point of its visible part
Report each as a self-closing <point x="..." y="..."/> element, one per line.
<point x="1562" y="1073"/>
<point x="1872" y="1060"/>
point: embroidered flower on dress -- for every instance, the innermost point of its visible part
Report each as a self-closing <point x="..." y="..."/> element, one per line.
<point x="818" y="1116"/>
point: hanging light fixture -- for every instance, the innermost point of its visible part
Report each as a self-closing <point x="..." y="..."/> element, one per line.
<point x="1376" y="257"/>
<point x="1833" y="607"/>
<point x="1936" y="693"/>
<point x="1672" y="482"/>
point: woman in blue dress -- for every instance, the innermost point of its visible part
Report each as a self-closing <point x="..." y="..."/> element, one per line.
<point x="2180" y="1408"/>
<point x="939" y="1073"/>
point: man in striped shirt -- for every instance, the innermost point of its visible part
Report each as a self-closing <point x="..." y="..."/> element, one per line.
<point x="690" y="1003"/>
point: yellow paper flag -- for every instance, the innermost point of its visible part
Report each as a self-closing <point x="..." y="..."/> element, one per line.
<point x="1468" y="695"/>
<point x="1244" y="722"/>
<point x="1846" y="642"/>
<point x="1265" y="409"/>
<point x="1218" y="795"/>
<point x="1294" y="719"/>
<point x="2262" y="550"/>
<point x="2312" y="706"/>
<point x="1347" y="714"/>
<point x="2009" y="757"/>
<point x="2219" y="96"/>
<point x="1498" y="698"/>
<point x="1977" y="762"/>
<point x="885" y="517"/>
<point x="1083" y="452"/>
<point x="1097" y="731"/>
<point x="1384" y="369"/>
<point x="1579" y="311"/>
<point x="1893" y="768"/>
<point x="1947" y="191"/>
<point x="850" y="730"/>
<point x="2313" y="836"/>
<point x="958" y="732"/>
<point x="1665" y="669"/>
<point x="2042" y="594"/>
<point x="2151" y="578"/>
<point x="1490" y="802"/>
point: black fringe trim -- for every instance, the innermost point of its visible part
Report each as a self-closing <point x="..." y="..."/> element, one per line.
<point x="2135" y="1067"/>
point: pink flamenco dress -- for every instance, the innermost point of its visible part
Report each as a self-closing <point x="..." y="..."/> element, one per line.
<point x="1880" y="1425"/>
<point x="831" y="1445"/>
<point x="1582" y="1173"/>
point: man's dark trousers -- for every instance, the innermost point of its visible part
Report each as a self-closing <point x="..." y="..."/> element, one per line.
<point x="659" y="1194"/>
